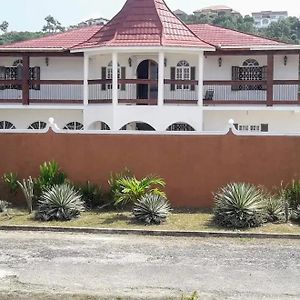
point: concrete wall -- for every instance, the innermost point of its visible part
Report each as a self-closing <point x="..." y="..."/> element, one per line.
<point x="194" y="166"/>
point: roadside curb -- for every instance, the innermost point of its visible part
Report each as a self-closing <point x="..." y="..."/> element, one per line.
<point x="217" y="234"/>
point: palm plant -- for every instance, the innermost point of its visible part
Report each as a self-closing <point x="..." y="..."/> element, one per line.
<point x="27" y="186"/>
<point x="60" y="202"/>
<point x="130" y="189"/>
<point x="239" y="205"/>
<point x="151" y="209"/>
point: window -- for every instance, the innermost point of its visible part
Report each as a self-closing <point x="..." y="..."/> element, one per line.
<point x="7" y="125"/>
<point x="252" y="128"/>
<point x="15" y="72"/>
<point x="38" y="125"/>
<point x="180" y="127"/>
<point x="73" y="126"/>
<point x="183" y="72"/>
<point x="109" y="75"/>
<point x="249" y="71"/>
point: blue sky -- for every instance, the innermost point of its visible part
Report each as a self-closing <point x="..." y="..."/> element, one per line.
<point x="29" y="14"/>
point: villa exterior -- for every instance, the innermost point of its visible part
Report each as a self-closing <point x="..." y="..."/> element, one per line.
<point x="146" y="70"/>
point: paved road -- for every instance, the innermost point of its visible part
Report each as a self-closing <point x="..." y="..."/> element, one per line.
<point x="76" y="266"/>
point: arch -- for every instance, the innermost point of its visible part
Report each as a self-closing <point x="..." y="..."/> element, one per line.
<point x="6" y="125"/>
<point x="250" y="62"/>
<point x="38" y="125"/>
<point x="180" y="126"/>
<point x="73" y="126"/>
<point x="99" y="125"/>
<point x="139" y="126"/>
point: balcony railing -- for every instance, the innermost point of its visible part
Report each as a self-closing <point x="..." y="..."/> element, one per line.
<point x="100" y="91"/>
<point x="10" y="91"/>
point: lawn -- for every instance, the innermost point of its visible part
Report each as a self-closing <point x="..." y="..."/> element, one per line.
<point x="185" y="220"/>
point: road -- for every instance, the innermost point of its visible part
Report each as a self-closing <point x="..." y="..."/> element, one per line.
<point x="83" y="266"/>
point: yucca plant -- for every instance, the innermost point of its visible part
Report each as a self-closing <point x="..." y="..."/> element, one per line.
<point x="130" y="189"/>
<point x="239" y="205"/>
<point x="4" y="206"/>
<point x="60" y="202"/>
<point x="27" y="186"/>
<point x="151" y="209"/>
<point x="275" y="209"/>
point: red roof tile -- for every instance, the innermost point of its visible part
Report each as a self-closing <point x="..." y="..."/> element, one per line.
<point x="219" y="36"/>
<point x="145" y="23"/>
<point x="65" y="40"/>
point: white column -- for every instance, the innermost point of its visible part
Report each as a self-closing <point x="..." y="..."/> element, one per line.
<point x="86" y="79"/>
<point x="115" y="78"/>
<point x="161" y="78"/>
<point x="200" y="78"/>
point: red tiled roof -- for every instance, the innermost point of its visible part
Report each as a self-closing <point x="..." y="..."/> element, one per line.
<point x="145" y="23"/>
<point x="65" y="40"/>
<point x="219" y="36"/>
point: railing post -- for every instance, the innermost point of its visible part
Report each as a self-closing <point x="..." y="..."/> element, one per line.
<point x="115" y="78"/>
<point x="25" y="79"/>
<point x="161" y="78"/>
<point x="86" y="79"/>
<point x="200" y="78"/>
<point x="270" y="79"/>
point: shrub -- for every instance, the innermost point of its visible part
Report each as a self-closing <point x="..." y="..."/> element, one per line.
<point x="114" y="181"/>
<point x="239" y="205"/>
<point x="11" y="179"/>
<point x="4" y="206"/>
<point x="27" y="186"/>
<point x="91" y="194"/>
<point x="60" y="202"/>
<point x="50" y="175"/>
<point x="275" y="209"/>
<point x="194" y="296"/>
<point x="151" y="209"/>
<point x="130" y="189"/>
<point x="291" y="194"/>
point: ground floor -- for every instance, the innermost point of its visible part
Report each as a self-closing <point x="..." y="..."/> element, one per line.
<point x="80" y="266"/>
<point x="153" y="118"/>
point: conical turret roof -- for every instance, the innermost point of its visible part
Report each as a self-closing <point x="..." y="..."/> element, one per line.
<point x="145" y="23"/>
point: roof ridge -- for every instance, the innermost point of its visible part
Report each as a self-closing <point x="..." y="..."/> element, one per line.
<point x="162" y="36"/>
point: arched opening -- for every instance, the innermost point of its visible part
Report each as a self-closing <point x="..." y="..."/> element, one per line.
<point x="147" y="70"/>
<point x="38" y="125"/>
<point x="98" y="125"/>
<point x="7" y="125"/>
<point x="73" y="126"/>
<point x="180" y="127"/>
<point x="140" y="126"/>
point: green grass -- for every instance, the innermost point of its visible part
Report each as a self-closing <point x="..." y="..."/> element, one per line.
<point x="196" y="220"/>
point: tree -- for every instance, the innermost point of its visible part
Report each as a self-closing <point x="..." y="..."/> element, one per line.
<point x="4" y="26"/>
<point x="52" y="25"/>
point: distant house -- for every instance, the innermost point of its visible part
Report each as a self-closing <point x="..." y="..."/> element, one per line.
<point x="91" y="22"/>
<point x="217" y="10"/>
<point x="180" y="14"/>
<point x="264" y="18"/>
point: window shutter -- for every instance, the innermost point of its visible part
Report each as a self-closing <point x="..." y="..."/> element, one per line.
<point x="264" y="73"/>
<point x="264" y="127"/>
<point x="2" y="77"/>
<point x="235" y="75"/>
<point x="173" y="74"/>
<point x="123" y="76"/>
<point x="103" y="77"/>
<point x="193" y="77"/>
<point x="36" y="75"/>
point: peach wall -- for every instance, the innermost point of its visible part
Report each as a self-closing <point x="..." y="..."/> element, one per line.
<point x="193" y="166"/>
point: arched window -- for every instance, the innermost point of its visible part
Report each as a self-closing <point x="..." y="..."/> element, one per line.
<point x="38" y="125"/>
<point x="73" y="126"/>
<point x="251" y="70"/>
<point x="183" y="72"/>
<point x="250" y="63"/>
<point x="7" y="125"/>
<point x="109" y="74"/>
<point x="180" y="127"/>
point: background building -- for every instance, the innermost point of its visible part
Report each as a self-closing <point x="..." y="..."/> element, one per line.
<point x="264" y="18"/>
<point x="216" y="10"/>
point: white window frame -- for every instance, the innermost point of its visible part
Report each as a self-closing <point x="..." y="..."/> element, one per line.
<point x="109" y="75"/>
<point x="183" y="72"/>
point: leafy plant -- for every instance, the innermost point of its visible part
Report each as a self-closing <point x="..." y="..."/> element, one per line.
<point x="152" y="209"/>
<point x="130" y="189"/>
<point x="27" y="186"/>
<point x="92" y="195"/>
<point x="275" y="209"/>
<point x="239" y="205"/>
<point x="50" y="175"/>
<point x="60" y="202"/>
<point x="291" y="194"/>
<point x="114" y="181"/>
<point x="3" y="206"/>
<point x="194" y="296"/>
<point x="11" y="179"/>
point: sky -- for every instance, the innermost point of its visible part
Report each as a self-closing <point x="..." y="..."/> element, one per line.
<point x="29" y="15"/>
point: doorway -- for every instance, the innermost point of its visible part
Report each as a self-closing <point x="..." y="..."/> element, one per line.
<point x="147" y="70"/>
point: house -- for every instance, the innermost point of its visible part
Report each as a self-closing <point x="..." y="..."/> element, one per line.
<point x="217" y="10"/>
<point x="90" y="22"/>
<point x="263" y="19"/>
<point x="180" y="14"/>
<point x="146" y="70"/>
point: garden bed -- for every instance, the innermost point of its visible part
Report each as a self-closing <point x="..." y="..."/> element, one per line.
<point x="183" y="220"/>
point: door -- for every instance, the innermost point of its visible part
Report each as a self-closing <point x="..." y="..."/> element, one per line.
<point x="148" y="70"/>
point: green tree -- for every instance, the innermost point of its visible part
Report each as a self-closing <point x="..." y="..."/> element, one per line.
<point x="4" y="26"/>
<point x="52" y="25"/>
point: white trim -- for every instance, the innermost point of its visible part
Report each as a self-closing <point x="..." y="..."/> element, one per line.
<point x="262" y="47"/>
<point x="161" y="76"/>
<point x="85" y="79"/>
<point x="41" y="106"/>
<point x="243" y="107"/>
<point x="115" y="90"/>
<point x="33" y="49"/>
